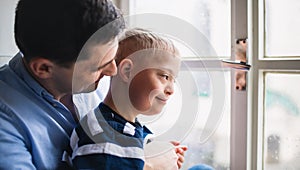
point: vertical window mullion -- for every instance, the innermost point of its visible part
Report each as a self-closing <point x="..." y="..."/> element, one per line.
<point x="238" y="151"/>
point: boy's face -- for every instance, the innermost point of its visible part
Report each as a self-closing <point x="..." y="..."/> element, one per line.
<point x="151" y="87"/>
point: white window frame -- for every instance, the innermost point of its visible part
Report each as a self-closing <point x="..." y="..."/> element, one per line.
<point x="239" y="101"/>
<point x="260" y="65"/>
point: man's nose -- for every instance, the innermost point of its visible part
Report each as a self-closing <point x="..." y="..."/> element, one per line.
<point x="110" y="69"/>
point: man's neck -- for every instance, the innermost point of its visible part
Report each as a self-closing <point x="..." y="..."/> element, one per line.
<point x="67" y="101"/>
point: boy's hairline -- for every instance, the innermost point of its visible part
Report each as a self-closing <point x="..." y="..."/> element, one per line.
<point x="146" y="40"/>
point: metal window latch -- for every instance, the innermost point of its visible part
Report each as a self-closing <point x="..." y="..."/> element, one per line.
<point x="237" y="64"/>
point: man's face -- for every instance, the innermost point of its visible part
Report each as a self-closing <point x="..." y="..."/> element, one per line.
<point x="87" y="73"/>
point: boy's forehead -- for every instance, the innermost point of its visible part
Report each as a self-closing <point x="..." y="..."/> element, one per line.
<point x="157" y="59"/>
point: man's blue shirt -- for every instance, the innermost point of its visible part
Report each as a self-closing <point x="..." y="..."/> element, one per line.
<point x="34" y="127"/>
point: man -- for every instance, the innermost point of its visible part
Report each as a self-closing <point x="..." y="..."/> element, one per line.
<point x="36" y="110"/>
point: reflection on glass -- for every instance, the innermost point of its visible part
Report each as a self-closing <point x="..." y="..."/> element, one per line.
<point x="282" y="119"/>
<point x="282" y="26"/>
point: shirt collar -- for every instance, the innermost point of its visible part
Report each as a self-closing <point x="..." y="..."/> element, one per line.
<point x="110" y="114"/>
<point x="17" y="65"/>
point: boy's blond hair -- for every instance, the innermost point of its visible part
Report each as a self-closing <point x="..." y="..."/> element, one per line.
<point x="137" y="39"/>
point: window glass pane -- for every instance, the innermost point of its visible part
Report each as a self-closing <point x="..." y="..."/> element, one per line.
<point x="210" y="17"/>
<point x="281" y="121"/>
<point x="282" y="25"/>
<point x="215" y="151"/>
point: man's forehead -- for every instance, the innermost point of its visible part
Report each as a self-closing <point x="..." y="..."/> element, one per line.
<point x="107" y="46"/>
<point x="97" y="54"/>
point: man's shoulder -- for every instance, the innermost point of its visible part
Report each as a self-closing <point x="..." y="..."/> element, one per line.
<point x="19" y="108"/>
<point x="12" y="97"/>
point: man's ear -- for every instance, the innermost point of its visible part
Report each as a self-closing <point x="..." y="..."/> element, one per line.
<point x="41" y="67"/>
<point x="124" y="69"/>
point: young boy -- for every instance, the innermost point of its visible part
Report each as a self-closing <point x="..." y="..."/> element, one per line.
<point x="110" y="137"/>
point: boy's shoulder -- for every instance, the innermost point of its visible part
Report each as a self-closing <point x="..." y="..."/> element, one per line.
<point x="102" y="124"/>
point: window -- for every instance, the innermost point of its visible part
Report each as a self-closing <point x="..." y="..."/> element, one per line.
<point x="201" y="31"/>
<point x="281" y="28"/>
<point x="281" y="119"/>
<point x="210" y="17"/>
<point x="275" y="73"/>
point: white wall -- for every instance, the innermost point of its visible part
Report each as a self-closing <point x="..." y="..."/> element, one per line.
<point x="7" y="14"/>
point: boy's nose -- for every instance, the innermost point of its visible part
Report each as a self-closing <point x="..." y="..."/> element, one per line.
<point x="169" y="90"/>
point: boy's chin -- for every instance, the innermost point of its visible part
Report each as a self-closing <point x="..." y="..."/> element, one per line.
<point x="152" y="112"/>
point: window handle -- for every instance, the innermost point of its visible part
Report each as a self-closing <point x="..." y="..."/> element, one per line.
<point x="237" y="64"/>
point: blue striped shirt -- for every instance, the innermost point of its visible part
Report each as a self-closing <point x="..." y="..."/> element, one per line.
<point x="105" y="140"/>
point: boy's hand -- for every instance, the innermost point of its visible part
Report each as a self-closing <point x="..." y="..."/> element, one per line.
<point x="179" y="149"/>
<point x="161" y="156"/>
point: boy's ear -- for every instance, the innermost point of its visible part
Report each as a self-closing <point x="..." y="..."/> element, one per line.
<point x="125" y="67"/>
<point x="41" y="67"/>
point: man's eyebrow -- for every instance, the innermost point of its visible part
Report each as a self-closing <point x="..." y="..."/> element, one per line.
<point x="104" y="65"/>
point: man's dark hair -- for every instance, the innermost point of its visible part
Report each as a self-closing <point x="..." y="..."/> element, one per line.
<point x="58" y="29"/>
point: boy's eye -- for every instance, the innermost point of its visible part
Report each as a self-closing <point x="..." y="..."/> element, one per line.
<point x="165" y="76"/>
<point x="168" y="77"/>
